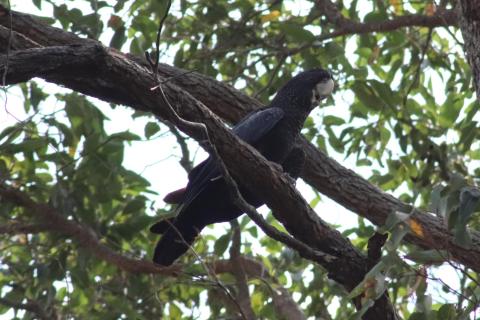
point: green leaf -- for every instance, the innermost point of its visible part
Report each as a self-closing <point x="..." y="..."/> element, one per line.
<point x="28" y="145"/>
<point x="397" y="235"/>
<point x="119" y="38"/>
<point x="469" y="199"/>
<point x="367" y="96"/>
<point x="253" y="231"/>
<point x="367" y="280"/>
<point x="447" y="312"/>
<point x="296" y="32"/>
<point x="221" y="244"/>
<point x="151" y="128"/>
<point x="435" y="199"/>
<point x="384" y="91"/>
<point x="450" y="111"/>
<point x="174" y="311"/>
<point x="131" y="228"/>
<point x="135" y="206"/>
<point x="38" y="3"/>
<point x="125" y="135"/>
<point x="429" y="256"/>
<point x="330" y="120"/>
<point x="36" y="95"/>
<point x="11" y="132"/>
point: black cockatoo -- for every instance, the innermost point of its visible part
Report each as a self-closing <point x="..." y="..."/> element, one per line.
<point x="273" y="131"/>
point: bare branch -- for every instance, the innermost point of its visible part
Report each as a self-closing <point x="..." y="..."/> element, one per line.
<point x="81" y="233"/>
<point x="345" y="26"/>
<point x="243" y="296"/>
<point x="185" y="160"/>
<point x="17" y="227"/>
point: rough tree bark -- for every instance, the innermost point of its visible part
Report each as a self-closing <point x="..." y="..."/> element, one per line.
<point x="469" y="16"/>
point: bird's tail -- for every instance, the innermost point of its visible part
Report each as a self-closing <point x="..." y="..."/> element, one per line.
<point x="175" y="242"/>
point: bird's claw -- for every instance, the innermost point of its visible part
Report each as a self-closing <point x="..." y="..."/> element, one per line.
<point x="276" y="165"/>
<point x="290" y="179"/>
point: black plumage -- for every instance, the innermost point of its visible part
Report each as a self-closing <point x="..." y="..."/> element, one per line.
<point x="273" y="131"/>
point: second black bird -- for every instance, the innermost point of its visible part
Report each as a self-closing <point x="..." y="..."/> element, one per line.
<point x="273" y="131"/>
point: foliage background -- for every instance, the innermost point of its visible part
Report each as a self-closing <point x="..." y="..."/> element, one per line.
<point x="403" y="116"/>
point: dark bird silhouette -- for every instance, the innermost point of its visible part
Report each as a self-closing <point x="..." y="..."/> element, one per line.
<point x="273" y="131"/>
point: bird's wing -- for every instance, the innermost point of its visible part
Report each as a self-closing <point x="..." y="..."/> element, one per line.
<point x="253" y="127"/>
<point x="256" y="124"/>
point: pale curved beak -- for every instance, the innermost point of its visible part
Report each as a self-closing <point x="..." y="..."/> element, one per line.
<point x="322" y="90"/>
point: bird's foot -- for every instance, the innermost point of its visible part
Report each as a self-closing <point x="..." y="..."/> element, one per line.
<point x="276" y="165"/>
<point x="291" y="180"/>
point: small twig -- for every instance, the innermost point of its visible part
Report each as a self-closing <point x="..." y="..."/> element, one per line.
<point x="84" y="235"/>
<point x="280" y="62"/>
<point x="4" y="75"/>
<point x="196" y="130"/>
<point x="86" y="154"/>
<point x="238" y="271"/>
<point x="17" y="227"/>
<point x="185" y="161"/>
<point x="269" y="230"/>
<point x="419" y="66"/>
<point x="208" y="270"/>
<point x="236" y="240"/>
<point x="157" y="44"/>
<point x="448" y="260"/>
<point x="423" y="273"/>
<point x="284" y="305"/>
<point x="172" y="78"/>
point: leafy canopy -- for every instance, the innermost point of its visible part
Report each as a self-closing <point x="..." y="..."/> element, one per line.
<point x="403" y="115"/>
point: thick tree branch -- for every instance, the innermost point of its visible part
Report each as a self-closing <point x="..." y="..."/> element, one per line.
<point x="345" y="26"/>
<point x="16" y="227"/>
<point x="103" y="73"/>
<point x="82" y="234"/>
<point x="322" y="172"/>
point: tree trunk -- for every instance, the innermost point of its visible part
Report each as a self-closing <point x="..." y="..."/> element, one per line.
<point x="469" y="16"/>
